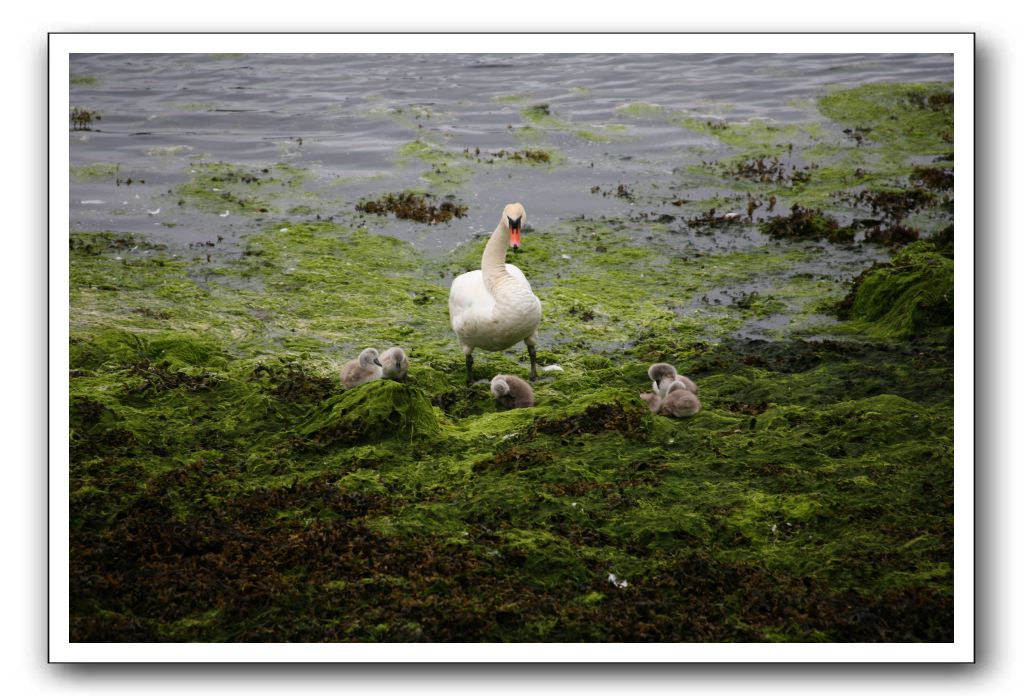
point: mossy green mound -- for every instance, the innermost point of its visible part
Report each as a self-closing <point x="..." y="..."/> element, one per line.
<point x="371" y="411"/>
<point x="910" y="296"/>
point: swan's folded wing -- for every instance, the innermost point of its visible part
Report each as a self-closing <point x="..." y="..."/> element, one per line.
<point x="469" y="301"/>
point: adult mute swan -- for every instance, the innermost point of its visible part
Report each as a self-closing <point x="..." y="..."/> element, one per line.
<point x="494" y="308"/>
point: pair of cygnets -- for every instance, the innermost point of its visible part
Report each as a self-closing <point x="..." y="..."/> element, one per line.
<point x="509" y="390"/>
<point x="371" y="365"/>
<point x="673" y="394"/>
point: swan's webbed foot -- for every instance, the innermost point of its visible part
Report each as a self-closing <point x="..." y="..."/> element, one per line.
<point x="532" y="362"/>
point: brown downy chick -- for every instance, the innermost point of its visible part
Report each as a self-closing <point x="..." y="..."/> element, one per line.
<point x="395" y="364"/>
<point x="511" y="391"/>
<point x="365" y="368"/>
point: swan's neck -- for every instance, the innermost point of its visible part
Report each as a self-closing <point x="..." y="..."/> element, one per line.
<point x="495" y="274"/>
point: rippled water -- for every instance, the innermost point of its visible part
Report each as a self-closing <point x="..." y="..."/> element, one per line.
<point x="345" y="117"/>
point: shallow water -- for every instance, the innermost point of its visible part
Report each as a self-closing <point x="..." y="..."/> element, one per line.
<point x="344" y="118"/>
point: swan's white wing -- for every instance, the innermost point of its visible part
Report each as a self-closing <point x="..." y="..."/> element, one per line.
<point x="469" y="302"/>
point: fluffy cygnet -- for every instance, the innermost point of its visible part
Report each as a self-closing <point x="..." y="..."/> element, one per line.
<point x="511" y="391"/>
<point x="664" y="374"/>
<point x="365" y="368"/>
<point x="395" y="364"/>
<point x="679" y="402"/>
<point x="652" y="400"/>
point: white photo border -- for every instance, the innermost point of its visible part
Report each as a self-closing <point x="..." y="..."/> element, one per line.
<point x="961" y="650"/>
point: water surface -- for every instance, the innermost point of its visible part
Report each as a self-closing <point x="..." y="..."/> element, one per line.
<point x="345" y="118"/>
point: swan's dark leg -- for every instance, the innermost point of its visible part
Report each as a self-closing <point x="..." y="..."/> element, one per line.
<point x="468" y="369"/>
<point x="531" y="347"/>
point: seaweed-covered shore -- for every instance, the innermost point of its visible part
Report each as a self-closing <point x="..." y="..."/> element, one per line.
<point x="225" y="488"/>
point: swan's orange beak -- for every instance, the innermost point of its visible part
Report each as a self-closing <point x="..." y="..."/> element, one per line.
<point x="515" y="234"/>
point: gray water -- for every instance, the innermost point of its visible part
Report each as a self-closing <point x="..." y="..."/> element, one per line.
<point x="345" y="117"/>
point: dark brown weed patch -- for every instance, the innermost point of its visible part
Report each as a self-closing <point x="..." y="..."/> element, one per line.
<point x="409" y="205"/>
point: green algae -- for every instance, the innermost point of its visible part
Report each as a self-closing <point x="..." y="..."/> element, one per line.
<point x="224" y="187"/>
<point x="755" y="136"/>
<point x="541" y="118"/>
<point x="528" y="134"/>
<point x="95" y="172"/>
<point x="169" y="150"/>
<point x="84" y="80"/>
<point x="511" y="98"/>
<point x="910" y="296"/>
<point x="445" y="173"/>
<point x="450" y="169"/>
<point x="903" y="117"/>
<point x="540" y="114"/>
<point x="591" y="486"/>
<point x="874" y="138"/>
<point x="424" y="150"/>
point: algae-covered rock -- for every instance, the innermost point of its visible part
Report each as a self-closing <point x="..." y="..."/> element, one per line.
<point x="372" y="411"/>
<point x="907" y="297"/>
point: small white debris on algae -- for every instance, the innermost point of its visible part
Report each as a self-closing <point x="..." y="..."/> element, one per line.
<point x="620" y="584"/>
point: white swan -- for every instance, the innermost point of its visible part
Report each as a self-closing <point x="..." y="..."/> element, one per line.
<point x="495" y="308"/>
